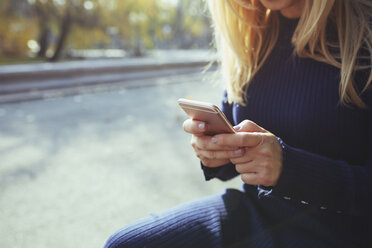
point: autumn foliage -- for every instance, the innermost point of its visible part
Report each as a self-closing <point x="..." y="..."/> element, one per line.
<point x="50" y="29"/>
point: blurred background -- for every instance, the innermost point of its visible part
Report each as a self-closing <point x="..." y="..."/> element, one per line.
<point x="91" y="135"/>
<point x="70" y="29"/>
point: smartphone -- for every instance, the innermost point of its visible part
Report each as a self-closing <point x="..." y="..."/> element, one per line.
<point x="210" y="114"/>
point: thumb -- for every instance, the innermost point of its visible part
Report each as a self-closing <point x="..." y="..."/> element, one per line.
<point x="249" y="126"/>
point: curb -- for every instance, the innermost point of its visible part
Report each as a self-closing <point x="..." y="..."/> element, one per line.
<point x="48" y="71"/>
<point x="43" y="81"/>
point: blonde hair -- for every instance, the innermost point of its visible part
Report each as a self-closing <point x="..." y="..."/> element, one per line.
<point x="246" y="32"/>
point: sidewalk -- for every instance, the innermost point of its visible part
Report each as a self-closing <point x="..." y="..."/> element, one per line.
<point x="155" y="60"/>
<point x="31" y="81"/>
<point x="75" y="169"/>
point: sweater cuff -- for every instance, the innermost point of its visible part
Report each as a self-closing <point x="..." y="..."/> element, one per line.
<point x="298" y="177"/>
<point x="313" y="179"/>
<point x="224" y="172"/>
<point x="209" y="173"/>
<point x="287" y="177"/>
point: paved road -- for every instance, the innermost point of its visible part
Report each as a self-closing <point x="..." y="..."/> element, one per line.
<point x="75" y="169"/>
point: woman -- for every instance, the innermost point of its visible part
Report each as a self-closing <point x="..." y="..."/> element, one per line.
<point x="298" y="88"/>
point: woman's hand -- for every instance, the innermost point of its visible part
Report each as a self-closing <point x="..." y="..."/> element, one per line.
<point x="211" y="154"/>
<point x="261" y="163"/>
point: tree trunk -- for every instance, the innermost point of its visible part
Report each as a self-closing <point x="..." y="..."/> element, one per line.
<point x="65" y="29"/>
<point x="178" y="35"/>
<point x="43" y="42"/>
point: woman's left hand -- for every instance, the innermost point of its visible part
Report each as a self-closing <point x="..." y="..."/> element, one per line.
<point x="261" y="163"/>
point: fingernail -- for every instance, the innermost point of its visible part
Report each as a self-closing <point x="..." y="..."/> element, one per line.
<point x="238" y="152"/>
<point x="201" y="126"/>
<point x="214" y="140"/>
<point x="237" y="128"/>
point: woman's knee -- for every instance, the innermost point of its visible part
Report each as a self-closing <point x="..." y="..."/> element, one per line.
<point x="131" y="236"/>
<point x="188" y="225"/>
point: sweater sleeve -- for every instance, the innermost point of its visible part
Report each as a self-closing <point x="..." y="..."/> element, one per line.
<point x="227" y="171"/>
<point x="331" y="184"/>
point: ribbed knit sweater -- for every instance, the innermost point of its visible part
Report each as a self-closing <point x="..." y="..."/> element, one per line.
<point x="324" y="195"/>
<point x="327" y="146"/>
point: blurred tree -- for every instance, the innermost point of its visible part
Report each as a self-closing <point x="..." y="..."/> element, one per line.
<point x="133" y="25"/>
<point x="15" y="27"/>
<point x="63" y="14"/>
<point x="85" y="14"/>
<point x="178" y="24"/>
<point x="15" y="7"/>
<point x="136" y="22"/>
<point x="191" y="25"/>
<point x="44" y="12"/>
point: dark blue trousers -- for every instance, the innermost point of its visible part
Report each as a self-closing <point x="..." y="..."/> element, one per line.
<point x="232" y="219"/>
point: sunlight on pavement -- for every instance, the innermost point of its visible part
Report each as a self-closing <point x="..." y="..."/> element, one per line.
<point x="75" y="169"/>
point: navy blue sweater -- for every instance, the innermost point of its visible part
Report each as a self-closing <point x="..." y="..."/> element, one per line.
<point x="324" y="195"/>
<point x="327" y="146"/>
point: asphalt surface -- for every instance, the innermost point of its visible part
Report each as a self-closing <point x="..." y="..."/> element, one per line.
<point x="75" y="169"/>
<point x="47" y="80"/>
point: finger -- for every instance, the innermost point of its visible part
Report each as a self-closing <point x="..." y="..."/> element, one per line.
<point x="194" y="127"/>
<point x="249" y="126"/>
<point x="257" y="178"/>
<point x="250" y="178"/>
<point x="245" y="168"/>
<point x="246" y="158"/>
<point x="205" y="143"/>
<point x="239" y="139"/>
<point x="210" y="154"/>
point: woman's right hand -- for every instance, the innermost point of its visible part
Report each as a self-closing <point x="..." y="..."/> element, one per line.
<point x="211" y="154"/>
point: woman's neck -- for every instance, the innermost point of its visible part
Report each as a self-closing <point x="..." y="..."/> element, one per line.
<point x="294" y="11"/>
